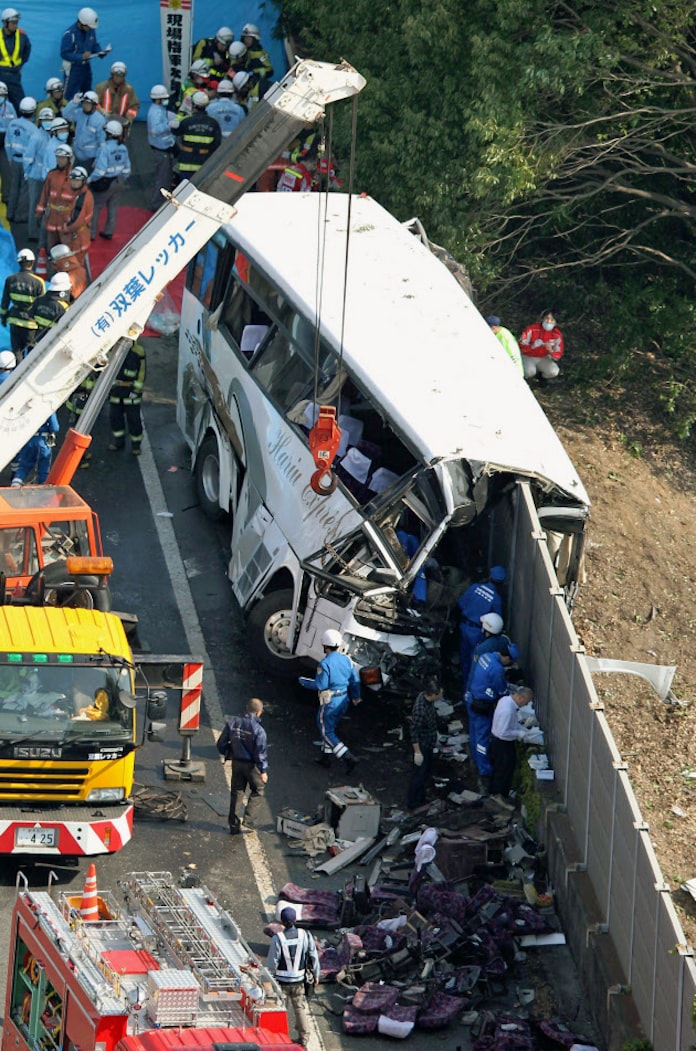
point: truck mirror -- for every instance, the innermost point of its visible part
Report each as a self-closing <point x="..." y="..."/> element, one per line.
<point x="126" y="699"/>
<point x="156" y="707"/>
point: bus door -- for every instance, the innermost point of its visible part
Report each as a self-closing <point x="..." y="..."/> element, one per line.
<point x="255" y="553"/>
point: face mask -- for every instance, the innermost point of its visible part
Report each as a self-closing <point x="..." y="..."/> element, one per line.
<point x="62" y="136"/>
<point x="46" y="124"/>
<point x="548" y="325"/>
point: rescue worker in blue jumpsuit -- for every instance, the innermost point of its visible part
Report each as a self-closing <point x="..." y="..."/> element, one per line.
<point x="494" y="640"/>
<point x="476" y="601"/>
<point x="488" y="684"/>
<point x="338" y="684"/>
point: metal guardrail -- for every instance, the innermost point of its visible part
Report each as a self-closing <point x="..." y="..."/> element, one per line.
<point x="612" y="841"/>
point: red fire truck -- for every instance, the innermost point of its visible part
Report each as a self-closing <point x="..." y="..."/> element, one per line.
<point x="168" y="969"/>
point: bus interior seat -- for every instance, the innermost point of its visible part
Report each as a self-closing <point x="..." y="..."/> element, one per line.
<point x="356" y="467"/>
<point x="381" y="479"/>
<point x="252" y="338"/>
<point x="351" y="433"/>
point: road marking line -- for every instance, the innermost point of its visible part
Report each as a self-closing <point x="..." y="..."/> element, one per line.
<point x="211" y="698"/>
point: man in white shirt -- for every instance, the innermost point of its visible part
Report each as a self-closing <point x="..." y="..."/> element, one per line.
<point x="506" y="729"/>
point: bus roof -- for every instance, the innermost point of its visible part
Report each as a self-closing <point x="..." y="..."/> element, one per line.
<point x="412" y="336"/>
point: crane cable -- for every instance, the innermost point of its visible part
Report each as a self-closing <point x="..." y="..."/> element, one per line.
<point x="325" y="436"/>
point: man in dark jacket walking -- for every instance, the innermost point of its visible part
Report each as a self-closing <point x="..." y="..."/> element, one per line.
<point x="243" y="740"/>
<point x="197" y="137"/>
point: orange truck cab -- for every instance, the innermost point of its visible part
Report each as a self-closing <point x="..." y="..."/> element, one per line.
<point x="40" y="527"/>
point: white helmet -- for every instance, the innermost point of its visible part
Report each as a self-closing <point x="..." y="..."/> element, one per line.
<point x="7" y="360"/>
<point x="25" y="255"/>
<point x="3" y="89"/>
<point x="87" y="16"/>
<point x="251" y="30"/>
<point x="78" y="173"/>
<point x="60" y="251"/>
<point x="240" y="80"/>
<point x="224" y="35"/>
<point x="158" y="91"/>
<point x="201" y="66"/>
<point x="90" y="96"/>
<point x="331" y="638"/>
<point x="237" y="51"/>
<point x="59" y="283"/>
<point x="64" y="151"/>
<point x="53" y="83"/>
<point x="9" y="15"/>
<point x="46" y="113"/>
<point x="113" y="128"/>
<point x="119" y="67"/>
<point x="59" y="123"/>
<point x="225" y="87"/>
<point x="27" y="105"/>
<point x="200" y="99"/>
<point x="492" y="623"/>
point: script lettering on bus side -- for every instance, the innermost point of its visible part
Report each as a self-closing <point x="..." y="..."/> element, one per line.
<point x="318" y="507"/>
<point x="283" y="460"/>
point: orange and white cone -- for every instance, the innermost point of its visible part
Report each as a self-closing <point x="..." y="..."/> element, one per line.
<point x="41" y="268"/>
<point x="89" y="906"/>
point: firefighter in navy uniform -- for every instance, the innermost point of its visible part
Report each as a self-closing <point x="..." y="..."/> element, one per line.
<point x="50" y="307"/>
<point x="197" y="137"/>
<point x="125" y="399"/>
<point x="20" y="292"/>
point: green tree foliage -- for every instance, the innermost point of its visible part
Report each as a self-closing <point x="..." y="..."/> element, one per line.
<point x="549" y="146"/>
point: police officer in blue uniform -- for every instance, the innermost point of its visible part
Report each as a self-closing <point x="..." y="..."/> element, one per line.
<point x="112" y="167"/>
<point x="476" y="601"/>
<point x="337" y="683"/>
<point x="243" y="740"/>
<point x="488" y="684"/>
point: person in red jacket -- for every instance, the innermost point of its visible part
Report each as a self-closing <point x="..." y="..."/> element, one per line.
<point x="542" y="348"/>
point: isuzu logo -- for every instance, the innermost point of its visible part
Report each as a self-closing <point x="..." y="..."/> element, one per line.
<point x="37" y="752"/>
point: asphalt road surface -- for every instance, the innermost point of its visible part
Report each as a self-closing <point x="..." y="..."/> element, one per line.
<point x="170" y="569"/>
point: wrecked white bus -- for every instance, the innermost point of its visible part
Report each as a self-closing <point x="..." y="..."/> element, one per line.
<point x="286" y="309"/>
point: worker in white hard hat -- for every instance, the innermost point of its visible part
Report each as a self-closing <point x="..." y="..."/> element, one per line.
<point x="55" y="201"/>
<point x="257" y="59"/>
<point x="65" y="261"/>
<point x="198" y="79"/>
<point x="197" y="138"/>
<point x="117" y="98"/>
<point x="77" y="49"/>
<point x="338" y="684"/>
<point x="107" y="181"/>
<point x="7" y="364"/>
<point x="160" y="136"/>
<point x="55" y="99"/>
<point x="20" y="132"/>
<point x="50" y="307"/>
<point x="15" y="49"/>
<point x="216" y="50"/>
<point x="20" y="291"/>
<point x="89" y="121"/>
<point x="225" y="108"/>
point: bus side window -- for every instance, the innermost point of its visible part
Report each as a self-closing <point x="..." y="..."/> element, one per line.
<point x="282" y="371"/>
<point x="208" y="273"/>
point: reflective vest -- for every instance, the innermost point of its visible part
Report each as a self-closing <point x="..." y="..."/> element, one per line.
<point x="5" y="58"/>
<point x="127" y="104"/>
<point x="21" y="289"/>
<point x="292" y="967"/>
<point x="48" y="309"/>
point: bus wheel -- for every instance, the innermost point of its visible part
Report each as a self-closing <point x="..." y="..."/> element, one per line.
<point x="269" y="623"/>
<point x="207" y="477"/>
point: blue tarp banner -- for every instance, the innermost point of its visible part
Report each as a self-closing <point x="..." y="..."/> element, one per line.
<point x="132" y="27"/>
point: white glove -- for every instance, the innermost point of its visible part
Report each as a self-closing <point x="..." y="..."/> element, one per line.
<point x="418" y="758"/>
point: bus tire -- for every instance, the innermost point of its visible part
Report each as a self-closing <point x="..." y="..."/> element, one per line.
<point x="267" y="626"/>
<point x="207" y="479"/>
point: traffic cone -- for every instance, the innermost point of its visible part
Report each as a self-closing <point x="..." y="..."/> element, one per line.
<point x="89" y="906"/>
<point x="41" y="268"/>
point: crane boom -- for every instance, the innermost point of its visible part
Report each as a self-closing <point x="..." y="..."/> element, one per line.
<point x="117" y="305"/>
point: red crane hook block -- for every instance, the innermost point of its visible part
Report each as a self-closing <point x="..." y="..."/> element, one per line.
<point x="324" y="440"/>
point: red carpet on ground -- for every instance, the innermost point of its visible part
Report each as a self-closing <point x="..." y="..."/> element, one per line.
<point x="101" y="251"/>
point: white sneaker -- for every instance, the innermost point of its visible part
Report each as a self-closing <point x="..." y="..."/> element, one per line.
<point x="16" y="484"/>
